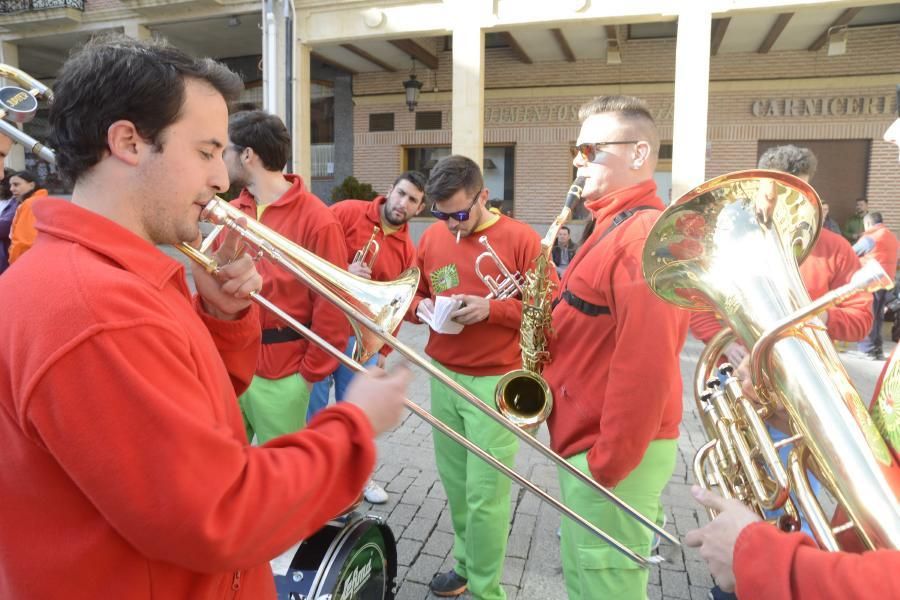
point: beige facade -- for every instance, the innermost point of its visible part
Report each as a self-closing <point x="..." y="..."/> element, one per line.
<point x="787" y="96"/>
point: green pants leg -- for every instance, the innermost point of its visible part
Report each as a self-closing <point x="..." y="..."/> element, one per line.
<point x="274" y="407"/>
<point x="592" y="568"/>
<point x="477" y="493"/>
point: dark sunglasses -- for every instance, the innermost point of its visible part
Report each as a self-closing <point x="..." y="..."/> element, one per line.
<point x="460" y="215"/>
<point x="589" y="151"/>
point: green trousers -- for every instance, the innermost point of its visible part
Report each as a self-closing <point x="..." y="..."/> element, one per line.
<point x="592" y="568"/>
<point x="477" y="493"/>
<point x="274" y="407"/>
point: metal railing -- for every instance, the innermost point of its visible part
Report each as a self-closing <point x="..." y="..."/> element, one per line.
<point x="16" y="6"/>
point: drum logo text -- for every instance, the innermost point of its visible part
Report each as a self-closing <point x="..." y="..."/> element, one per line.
<point x="355" y="581"/>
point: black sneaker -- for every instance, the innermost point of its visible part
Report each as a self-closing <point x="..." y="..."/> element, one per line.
<point x="448" y="584"/>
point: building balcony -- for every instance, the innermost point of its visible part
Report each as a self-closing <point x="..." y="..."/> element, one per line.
<point x="27" y="14"/>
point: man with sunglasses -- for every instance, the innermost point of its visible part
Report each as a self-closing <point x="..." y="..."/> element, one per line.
<point x="615" y="371"/>
<point x="278" y="397"/>
<point x="485" y="349"/>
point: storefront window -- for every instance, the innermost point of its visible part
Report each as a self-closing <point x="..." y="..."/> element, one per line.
<point x="498" y="170"/>
<point x="322" y="132"/>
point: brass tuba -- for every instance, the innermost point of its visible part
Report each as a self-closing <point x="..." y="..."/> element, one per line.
<point x="733" y="245"/>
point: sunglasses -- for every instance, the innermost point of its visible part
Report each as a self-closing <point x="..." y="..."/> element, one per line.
<point x="460" y="215"/>
<point x="588" y="151"/>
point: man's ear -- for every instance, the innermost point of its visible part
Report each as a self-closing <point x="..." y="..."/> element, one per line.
<point x="124" y="142"/>
<point x="421" y="207"/>
<point x="641" y="154"/>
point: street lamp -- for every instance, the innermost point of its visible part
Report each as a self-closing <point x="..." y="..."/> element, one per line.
<point x="412" y="87"/>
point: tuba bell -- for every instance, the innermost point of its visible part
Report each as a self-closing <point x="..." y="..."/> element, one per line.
<point x="733" y="245"/>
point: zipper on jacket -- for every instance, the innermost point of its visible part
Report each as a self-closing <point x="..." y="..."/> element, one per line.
<point x="236" y="582"/>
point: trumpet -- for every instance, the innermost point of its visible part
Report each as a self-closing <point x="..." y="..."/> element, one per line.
<point x="508" y="286"/>
<point x="367" y="254"/>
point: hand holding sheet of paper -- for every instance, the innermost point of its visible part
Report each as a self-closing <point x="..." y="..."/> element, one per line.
<point x="438" y="315"/>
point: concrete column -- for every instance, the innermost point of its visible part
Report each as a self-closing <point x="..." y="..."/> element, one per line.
<point x="302" y="125"/>
<point x="468" y="89"/>
<point x="9" y="55"/>
<point x="275" y="60"/>
<point x="691" y="99"/>
<point x="138" y="32"/>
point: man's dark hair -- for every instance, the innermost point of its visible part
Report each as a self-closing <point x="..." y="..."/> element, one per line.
<point x="566" y="227"/>
<point x="414" y="177"/>
<point x="866" y="200"/>
<point x="452" y="174"/>
<point x="875" y="218"/>
<point x="263" y="132"/>
<point x="114" y="78"/>
<point x="242" y="106"/>
<point x="790" y="159"/>
<point x="5" y="191"/>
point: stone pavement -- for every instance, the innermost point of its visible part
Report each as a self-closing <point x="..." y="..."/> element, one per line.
<point x="418" y="515"/>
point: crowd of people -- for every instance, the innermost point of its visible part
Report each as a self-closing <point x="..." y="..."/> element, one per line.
<point x="206" y="443"/>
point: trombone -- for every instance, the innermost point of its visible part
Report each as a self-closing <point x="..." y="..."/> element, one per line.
<point x="307" y="268"/>
<point x="376" y="312"/>
<point x="367" y="254"/>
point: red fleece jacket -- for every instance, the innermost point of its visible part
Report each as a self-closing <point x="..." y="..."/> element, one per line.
<point x="771" y="565"/>
<point x="305" y="220"/>
<point x="396" y="251"/>
<point x="616" y="378"/>
<point x="490" y="347"/>
<point x="126" y="471"/>
<point x="830" y="264"/>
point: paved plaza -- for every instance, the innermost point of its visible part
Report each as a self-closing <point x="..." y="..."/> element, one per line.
<point x="418" y="515"/>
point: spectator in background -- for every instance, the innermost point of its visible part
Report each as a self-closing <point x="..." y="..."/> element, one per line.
<point x="8" y="206"/>
<point x="877" y="243"/>
<point x="563" y="250"/>
<point x="854" y="227"/>
<point x="828" y="221"/>
<point x="25" y="189"/>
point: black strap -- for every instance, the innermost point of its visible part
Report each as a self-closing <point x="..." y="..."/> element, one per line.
<point x="591" y="310"/>
<point x="279" y="336"/>
<point x="579" y="304"/>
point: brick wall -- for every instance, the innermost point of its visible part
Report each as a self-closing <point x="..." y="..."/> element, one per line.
<point x="541" y="123"/>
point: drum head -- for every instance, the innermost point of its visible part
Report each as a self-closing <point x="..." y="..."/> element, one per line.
<point x="352" y="561"/>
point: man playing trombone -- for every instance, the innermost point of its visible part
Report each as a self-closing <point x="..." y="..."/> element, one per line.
<point x="276" y="401"/>
<point x="476" y="357"/>
<point x="126" y="471"/>
<point x="377" y="236"/>
<point x="615" y="372"/>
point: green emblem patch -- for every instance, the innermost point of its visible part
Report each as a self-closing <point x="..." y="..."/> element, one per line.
<point x="444" y="279"/>
<point x="884" y="412"/>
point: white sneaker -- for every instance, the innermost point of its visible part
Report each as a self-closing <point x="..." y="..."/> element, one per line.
<point x="374" y="493"/>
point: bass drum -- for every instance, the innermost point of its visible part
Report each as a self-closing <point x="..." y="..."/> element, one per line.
<point x="354" y="559"/>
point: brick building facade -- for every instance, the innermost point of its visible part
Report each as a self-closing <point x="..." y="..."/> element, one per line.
<point x="797" y="96"/>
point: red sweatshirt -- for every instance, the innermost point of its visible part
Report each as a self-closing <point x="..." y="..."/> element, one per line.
<point x="771" y="565"/>
<point x="615" y="377"/>
<point x="305" y="220"/>
<point x="490" y="347"/>
<point x="396" y="250"/>
<point x="126" y="471"/>
<point x="829" y="265"/>
<point x="885" y="250"/>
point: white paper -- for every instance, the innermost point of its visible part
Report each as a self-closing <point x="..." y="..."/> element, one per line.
<point x="439" y="318"/>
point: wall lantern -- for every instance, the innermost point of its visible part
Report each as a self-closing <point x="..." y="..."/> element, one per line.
<point x="412" y="86"/>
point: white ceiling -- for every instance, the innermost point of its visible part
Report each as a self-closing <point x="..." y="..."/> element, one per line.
<point x="213" y="37"/>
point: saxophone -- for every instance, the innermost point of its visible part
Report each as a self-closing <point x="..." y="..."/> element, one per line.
<point x="522" y="395"/>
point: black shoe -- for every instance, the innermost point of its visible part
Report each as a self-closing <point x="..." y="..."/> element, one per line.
<point x="877" y="355"/>
<point x="448" y="584"/>
<point x="717" y="594"/>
